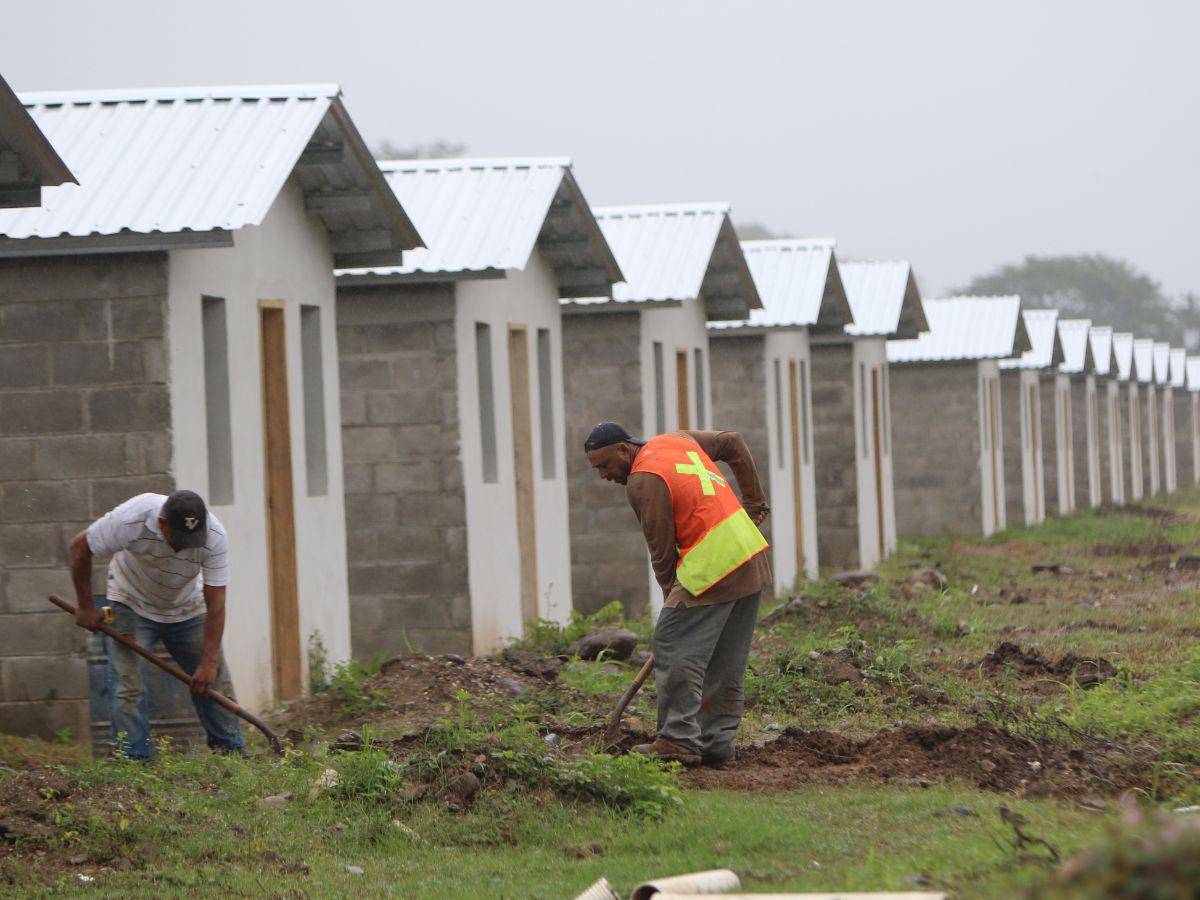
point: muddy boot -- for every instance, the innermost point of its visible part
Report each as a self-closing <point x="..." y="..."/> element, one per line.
<point x="718" y="760"/>
<point x="661" y="748"/>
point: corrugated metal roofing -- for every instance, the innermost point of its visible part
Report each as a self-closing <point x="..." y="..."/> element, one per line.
<point x="1101" y="339"/>
<point x="1143" y="360"/>
<point x="1162" y="363"/>
<point x="680" y="252"/>
<point x="481" y="215"/>
<point x="1077" y="357"/>
<point x="1193" y="373"/>
<point x="163" y="161"/>
<point x="798" y="282"/>
<point x="36" y="165"/>
<point x="883" y="298"/>
<point x="1123" y="355"/>
<point x="1045" y="345"/>
<point x="962" y="328"/>
<point x="1178" y="368"/>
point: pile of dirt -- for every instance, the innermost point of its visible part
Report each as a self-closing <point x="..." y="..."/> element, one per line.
<point x="421" y="689"/>
<point x="1026" y="663"/>
<point x="983" y="754"/>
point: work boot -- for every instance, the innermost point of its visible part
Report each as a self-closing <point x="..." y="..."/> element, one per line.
<point x="661" y="748"/>
<point x="717" y="760"/>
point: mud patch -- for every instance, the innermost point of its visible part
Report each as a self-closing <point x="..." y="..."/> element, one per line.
<point x="918" y="755"/>
<point x="1026" y="663"/>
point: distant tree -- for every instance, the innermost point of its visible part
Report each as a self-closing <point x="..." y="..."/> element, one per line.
<point x="753" y="231"/>
<point x="1108" y="291"/>
<point x="438" y="149"/>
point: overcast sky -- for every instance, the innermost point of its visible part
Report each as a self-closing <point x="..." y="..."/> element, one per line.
<point x="958" y="134"/>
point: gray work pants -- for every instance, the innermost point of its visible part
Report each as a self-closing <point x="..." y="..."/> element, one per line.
<point x="700" y="655"/>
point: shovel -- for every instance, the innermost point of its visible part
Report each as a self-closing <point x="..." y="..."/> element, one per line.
<point x="181" y="675"/>
<point x="613" y="733"/>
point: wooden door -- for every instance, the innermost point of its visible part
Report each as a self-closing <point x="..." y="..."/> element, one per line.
<point x="1033" y="452"/>
<point x="876" y="430"/>
<point x="683" y="406"/>
<point x="522" y="429"/>
<point x="994" y="449"/>
<point x="281" y="516"/>
<point x="794" y="401"/>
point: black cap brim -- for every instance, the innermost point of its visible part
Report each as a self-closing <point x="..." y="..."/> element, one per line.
<point x="188" y="540"/>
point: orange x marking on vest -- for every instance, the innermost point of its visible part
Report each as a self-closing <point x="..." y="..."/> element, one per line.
<point x="697" y="468"/>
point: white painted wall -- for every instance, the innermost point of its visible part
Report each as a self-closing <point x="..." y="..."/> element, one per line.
<point x="287" y="258"/>
<point x="682" y="327"/>
<point x="1092" y="399"/>
<point x="526" y="297"/>
<point x="1169" y="475"/>
<point x="1136" y="480"/>
<point x="1064" y="441"/>
<point x="1195" y="426"/>
<point x="868" y="354"/>
<point x="991" y="464"/>
<point x="781" y="347"/>
<point x="1032" y="469"/>
<point x="1116" y="442"/>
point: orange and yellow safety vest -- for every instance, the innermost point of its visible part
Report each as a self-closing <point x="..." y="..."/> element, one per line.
<point x="712" y="530"/>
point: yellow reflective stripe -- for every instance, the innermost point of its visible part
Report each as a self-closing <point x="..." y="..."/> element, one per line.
<point x="697" y="468"/>
<point x="719" y="552"/>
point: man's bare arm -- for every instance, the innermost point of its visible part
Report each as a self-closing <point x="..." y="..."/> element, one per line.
<point x="214" y="629"/>
<point x="79" y="557"/>
<point x="730" y="448"/>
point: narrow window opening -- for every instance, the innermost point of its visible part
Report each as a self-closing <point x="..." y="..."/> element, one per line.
<point x="778" y="418"/>
<point x="887" y="412"/>
<point x="683" y="406"/>
<point x="660" y="397"/>
<point x="546" y="404"/>
<point x="487" y="401"/>
<point x="216" y="401"/>
<point x="700" y="421"/>
<point x="862" y="407"/>
<point x="315" y="457"/>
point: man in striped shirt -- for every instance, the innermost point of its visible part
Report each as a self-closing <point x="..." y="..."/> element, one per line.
<point x="166" y="581"/>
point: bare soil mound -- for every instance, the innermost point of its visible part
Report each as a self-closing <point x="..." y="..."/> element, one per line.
<point x="1027" y="663"/>
<point x="983" y="754"/>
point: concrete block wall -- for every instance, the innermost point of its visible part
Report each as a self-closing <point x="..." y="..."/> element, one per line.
<point x="835" y="461"/>
<point x="936" y="449"/>
<point x="1185" y="469"/>
<point x="1051" y="438"/>
<point x="85" y="423"/>
<point x="1103" y="449"/>
<point x="602" y="381"/>
<point x="1081" y="439"/>
<point x="405" y="506"/>
<point x="1010" y="411"/>
<point x="739" y="402"/>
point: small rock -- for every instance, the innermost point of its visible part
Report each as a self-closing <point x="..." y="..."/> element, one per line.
<point x="853" y="579"/>
<point x="1187" y="562"/>
<point x="773" y="726"/>
<point x="77" y="860"/>
<point x="454" y="659"/>
<point x="529" y="663"/>
<point x="277" y="801"/>
<point x="583" y="851"/>
<point x="814" y="655"/>
<point x="1035" y="765"/>
<point x="551" y="740"/>
<point x="964" y="811"/>
<point x="339" y="827"/>
<point x="962" y="629"/>
<point x="928" y="577"/>
<point x="987" y="765"/>
<point x="638" y="658"/>
<point x="1187" y="810"/>
<point x="618" y="643"/>
<point x="918" y="880"/>
<point x="1018" y="599"/>
<point x="355" y="870"/>
<point x="632" y="710"/>
<point x="464" y="786"/>
<point x="347" y="741"/>
<point x="511" y="686"/>
<point x="122" y="863"/>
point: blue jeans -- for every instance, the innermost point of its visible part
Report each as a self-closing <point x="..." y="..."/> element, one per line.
<point x="127" y="679"/>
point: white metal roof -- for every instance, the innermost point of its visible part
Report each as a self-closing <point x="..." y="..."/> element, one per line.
<point x="965" y="328"/>
<point x="181" y="161"/>
<point x="1178" y="367"/>
<point x="798" y="283"/>
<point x="1101" y="339"/>
<point x="1123" y="355"/>
<point x="487" y="216"/>
<point x="1077" y="351"/>
<point x="884" y="298"/>
<point x="1193" y="373"/>
<point x="1045" y="344"/>
<point x="28" y="161"/>
<point x="1162" y="363"/>
<point x="1143" y="360"/>
<point x="680" y="252"/>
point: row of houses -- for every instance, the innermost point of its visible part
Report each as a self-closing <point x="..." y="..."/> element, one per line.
<point x="380" y="375"/>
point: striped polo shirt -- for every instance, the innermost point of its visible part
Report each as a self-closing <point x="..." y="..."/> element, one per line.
<point x="145" y="573"/>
